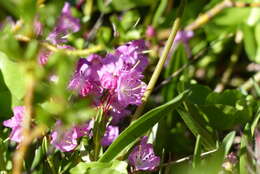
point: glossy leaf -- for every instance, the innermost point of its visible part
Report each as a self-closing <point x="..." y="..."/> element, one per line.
<point x="197" y="129"/>
<point x="140" y="126"/>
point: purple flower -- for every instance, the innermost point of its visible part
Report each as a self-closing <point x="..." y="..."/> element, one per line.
<point x="111" y="64"/>
<point x="43" y="56"/>
<point x="66" y="24"/>
<point x="143" y="157"/>
<point x="130" y="88"/>
<point x="132" y="55"/>
<point x="118" y="114"/>
<point x="114" y="81"/>
<point x="85" y="129"/>
<point x="85" y="79"/>
<point x="16" y="124"/>
<point x="184" y="36"/>
<point x="110" y="135"/>
<point x="66" y="139"/>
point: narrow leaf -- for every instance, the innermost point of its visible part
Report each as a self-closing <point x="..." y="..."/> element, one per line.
<point x="228" y="141"/>
<point x="197" y="129"/>
<point x="140" y="126"/>
<point x="197" y="151"/>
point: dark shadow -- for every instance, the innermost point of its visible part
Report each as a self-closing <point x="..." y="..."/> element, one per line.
<point x="5" y="100"/>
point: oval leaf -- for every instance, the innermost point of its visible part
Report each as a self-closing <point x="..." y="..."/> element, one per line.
<point x="13" y="76"/>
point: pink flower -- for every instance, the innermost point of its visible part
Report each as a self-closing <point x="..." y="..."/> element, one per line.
<point x="85" y="79"/>
<point x="43" y="56"/>
<point x="114" y="81"/>
<point x="66" y="24"/>
<point x="66" y="139"/>
<point x="184" y="37"/>
<point x="132" y="55"/>
<point x="118" y="114"/>
<point x="16" y="124"/>
<point x="37" y="26"/>
<point x="130" y="88"/>
<point x="142" y="158"/>
<point x="150" y="32"/>
<point x="111" y="64"/>
<point x="110" y="135"/>
<point x="85" y="129"/>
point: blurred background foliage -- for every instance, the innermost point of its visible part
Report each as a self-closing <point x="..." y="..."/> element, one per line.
<point x="225" y="51"/>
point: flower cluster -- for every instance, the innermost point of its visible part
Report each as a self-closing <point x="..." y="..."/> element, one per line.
<point x="115" y="80"/>
<point x="142" y="158"/>
<point x="16" y="124"/>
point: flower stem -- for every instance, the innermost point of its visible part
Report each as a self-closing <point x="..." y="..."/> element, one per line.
<point x="160" y="64"/>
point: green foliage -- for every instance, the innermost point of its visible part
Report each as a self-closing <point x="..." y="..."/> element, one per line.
<point x="117" y="167"/>
<point x="13" y="79"/>
<point x="139" y="127"/>
<point x="222" y="110"/>
<point x="185" y="116"/>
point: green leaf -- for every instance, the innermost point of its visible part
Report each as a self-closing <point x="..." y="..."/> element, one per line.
<point x="159" y="12"/>
<point x="197" y="129"/>
<point x="250" y="42"/>
<point x="232" y="17"/>
<point x="199" y="94"/>
<point x="3" y="149"/>
<point x="104" y="171"/>
<point x="228" y="141"/>
<point x="220" y="110"/>
<point x="140" y="126"/>
<point x="82" y="167"/>
<point x="117" y="167"/>
<point x="13" y="76"/>
<point x="8" y="44"/>
<point x="197" y="151"/>
<point x="37" y="157"/>
<point x="228" y="97"/>
<point x="127" y="4"/>
<point x="243" y="156"/>
<point x="256" y="86"/>
<point x="255" y="122"/>
<point x="129" y="19"/>
<point x="5" y="104"/>
<point x="223" y="117"/>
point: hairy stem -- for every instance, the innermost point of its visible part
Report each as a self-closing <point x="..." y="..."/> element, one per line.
<point x="84" y="52"/>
